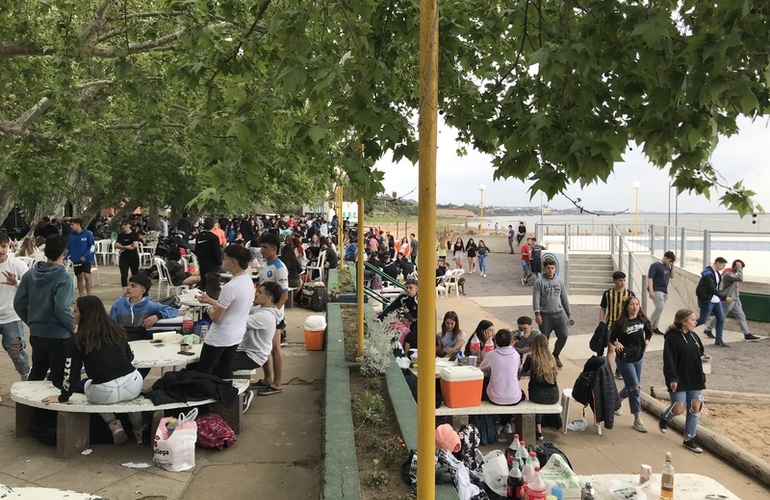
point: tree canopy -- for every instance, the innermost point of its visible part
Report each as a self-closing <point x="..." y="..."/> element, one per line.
<point x="233" y="103"/>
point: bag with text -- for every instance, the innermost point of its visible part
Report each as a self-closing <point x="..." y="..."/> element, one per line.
<point x="174" y="446"/>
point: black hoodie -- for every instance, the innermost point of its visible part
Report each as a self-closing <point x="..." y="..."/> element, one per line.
<point x="681" y="361"/>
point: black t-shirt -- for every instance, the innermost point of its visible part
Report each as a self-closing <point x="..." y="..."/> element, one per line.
<point x="127" y="239"/>
<point x="208" y="251"/>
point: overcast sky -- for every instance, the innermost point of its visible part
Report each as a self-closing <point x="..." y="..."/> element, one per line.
<point x="745" y="156"/>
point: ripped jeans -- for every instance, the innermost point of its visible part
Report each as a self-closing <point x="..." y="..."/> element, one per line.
<point x="15" y="346"/>
<point x="691" y="419"/>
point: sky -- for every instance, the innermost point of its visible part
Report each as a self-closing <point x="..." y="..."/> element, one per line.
<point x="745" y="156"/>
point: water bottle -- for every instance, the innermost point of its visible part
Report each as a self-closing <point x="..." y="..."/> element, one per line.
<point x="459" y="358"/>
<point x="187" y="322"/>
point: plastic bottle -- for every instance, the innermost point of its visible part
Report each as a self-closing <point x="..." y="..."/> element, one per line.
<point x="522" y="454"/>
<point x="535" y="461"/>
<point x="475" y="346"/>
<point x="489" y="346"/>
<point x="515" y="484"/>
<point x="510" y="452"/>
<point x="528" y="470"/>
<point x="171" y="425"/>
<point x="557" y="492"/>
<point x="667" y="479"/>
<point x="535" y="489"/>
<point x="459" y="357"/>
<point x="187" y="322"/>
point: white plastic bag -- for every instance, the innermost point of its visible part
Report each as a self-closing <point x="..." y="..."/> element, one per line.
<point x="579" y="424"/>
<point x="495" y="472"/>
<point x="174" y="450"/>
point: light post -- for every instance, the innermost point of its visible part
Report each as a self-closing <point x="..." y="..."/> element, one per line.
<point x="481" y="207"/>
<point x="636" y="207"/>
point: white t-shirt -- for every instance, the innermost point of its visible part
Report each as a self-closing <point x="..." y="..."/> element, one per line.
<point x="7" y="292"/>
<point x="277" y="273"/>
<point x="235" y="298"/>
<point x="260" y="330"/>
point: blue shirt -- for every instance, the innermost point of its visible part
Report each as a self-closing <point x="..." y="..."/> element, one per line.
<point x="659" y="273"/>
<point x="81" y="245"/>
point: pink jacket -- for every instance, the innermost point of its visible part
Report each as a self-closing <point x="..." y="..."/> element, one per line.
<point x="502" y="364"/>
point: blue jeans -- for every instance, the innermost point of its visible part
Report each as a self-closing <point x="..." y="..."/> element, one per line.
<point x="707" y="309"/>
<point x="483" y="264"/>
<point x="632" y="375"/>
<point x="14" y="345"/>
<point x="691" y="419"/>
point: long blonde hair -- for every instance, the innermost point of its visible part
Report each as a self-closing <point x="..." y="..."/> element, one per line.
<point x="543" y="362"/>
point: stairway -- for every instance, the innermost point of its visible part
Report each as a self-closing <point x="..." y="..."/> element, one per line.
<point x="590" y="274"/>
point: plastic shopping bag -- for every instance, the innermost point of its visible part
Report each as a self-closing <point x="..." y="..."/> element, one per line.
<point x="173" y="448"/>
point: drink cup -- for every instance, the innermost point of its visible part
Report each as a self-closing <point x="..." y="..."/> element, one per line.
<point x="645" y="474"/>
<point x="571" y="322"/>
<point x="184" y="347"/>
<point x="473" y="360"/>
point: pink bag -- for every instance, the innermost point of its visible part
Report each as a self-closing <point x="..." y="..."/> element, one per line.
<point x="213" y="432"/>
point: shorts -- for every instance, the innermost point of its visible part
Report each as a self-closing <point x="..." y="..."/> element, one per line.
<point x="536" y="266"/>
<point x="458" y="255"/>
<point x="85" y="267"/>
<point x="525" y="266"/>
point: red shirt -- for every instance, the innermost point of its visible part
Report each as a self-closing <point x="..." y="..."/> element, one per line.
<point x="525" y="252"/>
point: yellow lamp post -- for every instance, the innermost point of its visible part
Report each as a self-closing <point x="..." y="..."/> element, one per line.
<point x="482" y="187"/>
<point x="636" y="207"/>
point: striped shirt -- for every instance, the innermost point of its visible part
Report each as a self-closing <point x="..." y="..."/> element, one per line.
<point x="612" y="303"/>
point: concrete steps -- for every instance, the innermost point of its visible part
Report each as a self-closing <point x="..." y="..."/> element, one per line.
<point x="590" y="274"/>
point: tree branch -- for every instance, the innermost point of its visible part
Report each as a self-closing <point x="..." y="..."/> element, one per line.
<point x="141" y="125"/>
<point x="97" y="22"/>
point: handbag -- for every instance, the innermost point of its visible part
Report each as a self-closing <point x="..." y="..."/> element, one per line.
<point x="213" y="432"/>
<point x="173" y="448"/>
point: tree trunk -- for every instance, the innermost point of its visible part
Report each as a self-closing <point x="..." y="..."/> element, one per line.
<point x="715" y="396"/>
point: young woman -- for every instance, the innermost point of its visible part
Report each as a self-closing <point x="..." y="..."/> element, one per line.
<point x="289" y="259"/>
<point x="457" y="252"/>
<point x="178" y="275"/>
<point x="502" y="366"/>
<point x="484" y="331"/>
<point x="683" y="371"/>
<point x="541" y="366"/>
<point x="404" y="248"/>
<point x="630" y="335"/>
<point x="27" y="248"/>
<point x="441" y="248"/>
<point x="101" y="346"/>
<point x="482" y="250"/>
<point x="470" y="250"/>
<point x="127" y="244"/>
<point x="450" y="339"/>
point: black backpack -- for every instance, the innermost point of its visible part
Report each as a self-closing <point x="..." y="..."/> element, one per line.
<point x="582" y="391"/>
<point x="544" y="452"/>
<point x="319" y="298"/>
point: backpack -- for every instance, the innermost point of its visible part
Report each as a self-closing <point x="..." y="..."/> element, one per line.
<point x="319" y="298"/>
<point x="213" y="432"/>
<point x="544" y="452"/>
<point x="582" y="391"/>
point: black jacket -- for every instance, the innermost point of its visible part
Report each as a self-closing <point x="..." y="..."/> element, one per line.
<point x="403" y="301"/>
<point x="186" y="385"/>
<point x="681" y="361"/>
<point x="707" y="286"/>
<point x="605" y="399"/>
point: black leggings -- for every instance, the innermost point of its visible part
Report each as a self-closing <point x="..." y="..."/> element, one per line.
<point x="48" y="354"/>
<point x="217" y="360"/>
<point x="129" y="259"/>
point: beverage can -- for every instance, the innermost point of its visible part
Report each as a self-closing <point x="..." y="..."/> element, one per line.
<point x="204" y="331"/>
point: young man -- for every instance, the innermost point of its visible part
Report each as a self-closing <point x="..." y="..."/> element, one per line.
<point x="228" y="315"/>
<point x="551" y="306"/>
<point x="535" y="255"/>
<point x="710" y="297"/>
<point x="657" y="286"/>
<point x="135" y="311"/>
<point x="525" y="262"/>
<point x="511" y="237"/>
<point x="731" y="277"/>
<point x="521" y="232"/>
<point x="413" y="245"/>
<point x="208" y="251"/>
<point x="273" y="270"/>
<point x="80" y="249"/>
<point x="406" y="302"/>
<point x="11" y="272"/>
<point x="261" y="324"/>
<point x="43" y="303"/>
<point x="524" y="336"/>
<point x="610" y="308"/>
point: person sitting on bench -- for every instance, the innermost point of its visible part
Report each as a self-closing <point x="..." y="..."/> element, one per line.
<point x="135" y="311"/>
<point x="100" y="344"/>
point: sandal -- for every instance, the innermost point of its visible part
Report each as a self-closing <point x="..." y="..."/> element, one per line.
<point x="260" y="383"/>
<point x="269" y="391"/>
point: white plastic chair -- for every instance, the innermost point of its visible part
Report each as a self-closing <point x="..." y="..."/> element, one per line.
<point x="144" y="254"/>
<point x="104" y="249"/>
<point x="318" y="267"/>
<point x="164" y="276"/>
<point x="451" y="279"/>
<point x="29" y="261"/>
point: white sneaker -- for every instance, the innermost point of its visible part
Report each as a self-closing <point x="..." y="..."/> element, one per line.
<point x="619" y="412"/>
<point x="247" y="399"/>
<point x="507" y="429"/>
<point x="24" y="377"/>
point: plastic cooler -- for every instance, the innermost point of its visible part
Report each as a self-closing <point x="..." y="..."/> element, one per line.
<point x="461" y="386"/>
<point x="315" y="326"/>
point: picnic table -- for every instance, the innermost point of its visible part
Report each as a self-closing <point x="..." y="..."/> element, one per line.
<point x="162" y="355"/>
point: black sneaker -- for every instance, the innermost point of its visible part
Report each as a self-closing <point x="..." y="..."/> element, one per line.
<point x="658" y="332"/>
<point x="618" y="375"/>
<point x="707" y="333"/>
<point x="559" y="364"/>
<point x="721" y="344"/>
<point x="691" y="445"/>
<point x="751" y="338"/>
<point x="283" y="338"/>
<point x="662" y="424"/>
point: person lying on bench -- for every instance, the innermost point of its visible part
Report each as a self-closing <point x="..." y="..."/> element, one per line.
<point x="100" y="344"/>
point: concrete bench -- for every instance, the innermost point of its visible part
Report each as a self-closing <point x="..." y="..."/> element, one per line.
<point x="525" y="414"/>
<point x="73" y="419"/>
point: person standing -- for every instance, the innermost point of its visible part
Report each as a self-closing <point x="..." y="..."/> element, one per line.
<point x="551" y="306"/>
<point x="43" y="303"/>
<point x="482" y="250"/>
<point x="731" y="277"/>
<point x="630" y="335"/>
<point x="208" y="251"/>
<point x="413" y="245"/>
<point x="470" y="250"/>
<point x="273" y="270"/>
<point x="683" y="354"/>
<point x="610" y="309"/>
<point x="228" y="315"/>
<point x="658" y="277"/>
<point x="80" y="248"/>
<point x="710" y="297"/>
<point x="525" y="262"/>
<point x="185" y="224"/>
<point x="127" y="245"/>
<point x="511" y="237"/>
<point x="535" y="257"/>
<point x="162" y="226"/>
<point x="11" y="272"/>
<point x="458" y="252"/>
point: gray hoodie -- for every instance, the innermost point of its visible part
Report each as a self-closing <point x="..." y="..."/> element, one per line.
<point x="730" y="280"/>
<point x="43" y="301"/>
<point x="260" y="328"/>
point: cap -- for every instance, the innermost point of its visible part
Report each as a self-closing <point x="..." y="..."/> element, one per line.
<point x="447" y="438"/>
<point x="141" y="280"/>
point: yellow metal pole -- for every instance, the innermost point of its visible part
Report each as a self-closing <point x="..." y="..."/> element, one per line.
<point x="426" y="312"/>
<point x="340" y="232"/>
<point x="360" y="277"/>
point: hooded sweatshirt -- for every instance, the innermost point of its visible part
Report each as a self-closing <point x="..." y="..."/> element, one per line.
<point x="260" y="328"/>
<point x="681" y="360"/>
<point x="502" y="364"/>
<point x="43" y="301"/>
<point x="730" y="280"/>
<point x="128" y="314"/>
